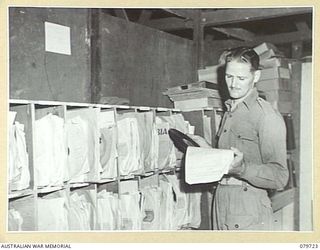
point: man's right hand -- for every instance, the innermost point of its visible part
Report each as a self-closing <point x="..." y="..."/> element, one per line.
<point x="200" y="140"/>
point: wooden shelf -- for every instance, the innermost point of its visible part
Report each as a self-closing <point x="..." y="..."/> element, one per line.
<point x="49" y="189"/>
<point x="20" y="193"/>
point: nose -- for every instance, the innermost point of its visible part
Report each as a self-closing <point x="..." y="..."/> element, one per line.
<point x="233" y="82"/>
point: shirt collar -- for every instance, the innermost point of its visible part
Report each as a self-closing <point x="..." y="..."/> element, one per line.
<point x="248" y="101"/>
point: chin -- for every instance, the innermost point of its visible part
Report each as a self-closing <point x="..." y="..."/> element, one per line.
<point x="235" y="95"/>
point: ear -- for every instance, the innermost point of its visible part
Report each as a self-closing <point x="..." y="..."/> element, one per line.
<point x="257" y="75"/>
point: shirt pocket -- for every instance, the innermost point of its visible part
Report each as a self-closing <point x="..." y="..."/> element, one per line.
<point x="245" y="134"/>
<point x="246" y="140"/>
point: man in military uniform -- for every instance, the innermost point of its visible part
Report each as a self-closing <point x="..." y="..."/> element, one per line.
<point x="257" y="135"/>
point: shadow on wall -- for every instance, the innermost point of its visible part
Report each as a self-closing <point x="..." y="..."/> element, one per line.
<point x="223" y="90"/>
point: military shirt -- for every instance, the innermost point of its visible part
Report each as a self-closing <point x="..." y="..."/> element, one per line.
<point x="259" y="132"/>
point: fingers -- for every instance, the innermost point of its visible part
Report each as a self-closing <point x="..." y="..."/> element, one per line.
<point x="237" y="152"/>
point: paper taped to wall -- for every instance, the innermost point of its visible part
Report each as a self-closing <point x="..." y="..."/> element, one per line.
<point x="205" y="165"/>
<point x="57" y="38"/>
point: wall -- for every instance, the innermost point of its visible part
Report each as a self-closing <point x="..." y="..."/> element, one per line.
<point x="39" y="75"/>
<point x="139" y="63"/>
<point x="129" y="60"/>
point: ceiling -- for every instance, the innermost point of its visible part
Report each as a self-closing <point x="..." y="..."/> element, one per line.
<point x="276" y="25"/>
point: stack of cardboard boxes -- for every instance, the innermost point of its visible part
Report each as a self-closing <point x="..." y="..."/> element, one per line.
<point x="195" y="96"/>
<point x="274" y="84"/>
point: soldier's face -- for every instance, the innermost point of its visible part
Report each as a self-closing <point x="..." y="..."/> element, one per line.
<point x="239" y="78"/>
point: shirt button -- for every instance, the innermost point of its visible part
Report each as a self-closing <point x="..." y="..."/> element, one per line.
<point x="245" y="189"/>
<point x="230" y="116"/>
<point x="236" y="226"/>
<point x="225" y="130"/>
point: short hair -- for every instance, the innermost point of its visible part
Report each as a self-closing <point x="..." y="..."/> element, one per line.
<point x="245" y="55"/>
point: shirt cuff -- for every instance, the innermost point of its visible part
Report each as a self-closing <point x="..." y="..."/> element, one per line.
<point x="249" y="171"/>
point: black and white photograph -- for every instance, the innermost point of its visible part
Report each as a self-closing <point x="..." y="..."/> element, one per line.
<point x="160" y="119"/>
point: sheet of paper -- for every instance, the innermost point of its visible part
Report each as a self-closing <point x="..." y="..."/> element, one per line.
<point x="78" y="147"/>
<point x="57" y="38"/>
<point x="106" y="119"/>
<point x="205" y="165"/>
<point x="207" y="129"/>
<point x="217" y="119"/>
<point x="12" y="116"/>
<point x="191" y="129"/>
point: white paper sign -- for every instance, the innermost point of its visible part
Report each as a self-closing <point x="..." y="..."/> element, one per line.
<point x="57" y="38"/>
<point x="205" y="165"/>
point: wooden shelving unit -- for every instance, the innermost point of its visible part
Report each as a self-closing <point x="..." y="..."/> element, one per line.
<point x="26" y="201"/>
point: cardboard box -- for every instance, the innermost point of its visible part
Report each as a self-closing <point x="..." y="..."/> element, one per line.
<point x="267" y="54"/>
<point x="194" y="104"/>
<point x="263" y="47"/>
<point x="274" y="84"/>
<point x="194" y="95"/>
<point x="282" y="107"/>
<point x="275" y="73"/>
<point x="274" y="62"/>
<point x="192" y="91"/>
<point x="276" y="95"/>
<point x="210" y="73"/>
<point x="191" y="87"/>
